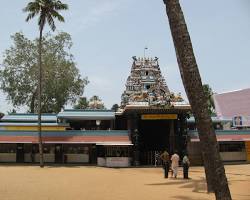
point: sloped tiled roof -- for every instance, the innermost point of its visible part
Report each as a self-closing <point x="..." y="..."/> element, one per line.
<point x="235" y="103"/>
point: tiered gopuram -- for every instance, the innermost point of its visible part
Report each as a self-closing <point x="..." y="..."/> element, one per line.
<point x="146" y="85"/>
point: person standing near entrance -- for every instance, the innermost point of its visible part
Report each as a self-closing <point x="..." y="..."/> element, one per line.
<point x="175" y="164"/>
<point x="165" y="162"/>
<point x="185" y="164"/>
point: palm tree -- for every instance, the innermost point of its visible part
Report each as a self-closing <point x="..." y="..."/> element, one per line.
<point x="47" y="11"/>
<point x="215" y="172"/>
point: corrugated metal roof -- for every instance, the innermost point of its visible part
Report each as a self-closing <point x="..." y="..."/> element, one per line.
<point x="87" y="114"/>
<point x="30" y="124"/>
<point x="28" y="117"/>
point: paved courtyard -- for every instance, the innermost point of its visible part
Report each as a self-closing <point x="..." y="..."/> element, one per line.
<point x="92" y="183"/>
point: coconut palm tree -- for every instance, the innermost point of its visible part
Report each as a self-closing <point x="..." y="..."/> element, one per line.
<point x="215" y="172"/>
<point x="47" y="10"/>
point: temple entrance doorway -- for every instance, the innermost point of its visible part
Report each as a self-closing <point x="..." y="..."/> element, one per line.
<point x="154" y="138"/>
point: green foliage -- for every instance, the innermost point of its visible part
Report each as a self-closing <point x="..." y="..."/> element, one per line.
<point x="115" y="107"/>
<point x="82" y="103"/>
<point x="209" y="95"/>
<point x="11" y="111"/>
<point x="1" y="115"/>
<point x="61" y="82"/>
<point x="47" y="11"/>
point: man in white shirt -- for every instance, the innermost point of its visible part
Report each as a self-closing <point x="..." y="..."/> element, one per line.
<point x="175" y="164"/>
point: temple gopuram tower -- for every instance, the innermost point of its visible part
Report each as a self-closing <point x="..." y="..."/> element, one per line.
<point x="154" y="117"/>
<point x="145" y="85"/>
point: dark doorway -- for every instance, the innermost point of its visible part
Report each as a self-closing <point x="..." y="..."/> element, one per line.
<point x="93" y="154"/>
<point x="153" y="139"/>
<point x="20" y="153"/>
<point x="58" y="153"/>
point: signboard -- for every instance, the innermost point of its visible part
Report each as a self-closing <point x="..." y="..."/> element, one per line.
<point x="158" y="116"/>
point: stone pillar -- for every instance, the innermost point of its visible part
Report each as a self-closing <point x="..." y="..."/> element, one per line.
<point x="183" y="133"/>
<point x="136" y="148"/>
<point x="135" y="136"/>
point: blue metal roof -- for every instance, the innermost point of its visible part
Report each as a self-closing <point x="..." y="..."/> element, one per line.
<point x="87" y="114"/>
<point x="21" y="117"/>
<point x="31" y="124"/>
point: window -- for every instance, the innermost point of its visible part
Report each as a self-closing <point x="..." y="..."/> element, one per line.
<point x="232" y="146"/>
<point x="75" y="149"/>
<point x="117" y="151"/>
<point x="49" y="148"/>
<point x="8" y="148"/>
<point x="27" y="148"/>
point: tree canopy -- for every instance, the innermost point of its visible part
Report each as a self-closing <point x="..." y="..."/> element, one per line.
<point x="47" y="11"/>
<point x="82" y="103"/>
<point x="115" y="107"/>
<point x="62" y="82"/>
<point x="209" y="94"/>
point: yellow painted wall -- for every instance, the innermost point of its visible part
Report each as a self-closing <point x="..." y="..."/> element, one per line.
<point x="34" y="128"/>
<point x="158" y="116"/>
<point x="248" y="150"/>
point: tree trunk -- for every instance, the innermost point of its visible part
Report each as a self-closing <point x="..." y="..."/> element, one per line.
<point x="32" y="103"/>
<point x="39" y="100"/>
<point x="198" y="101"/>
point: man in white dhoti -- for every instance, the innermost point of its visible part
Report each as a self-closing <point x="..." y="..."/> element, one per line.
<point x="175" y="164"/>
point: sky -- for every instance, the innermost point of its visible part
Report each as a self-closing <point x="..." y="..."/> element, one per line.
<point x="107" y="33"/>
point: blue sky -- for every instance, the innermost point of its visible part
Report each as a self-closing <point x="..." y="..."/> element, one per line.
<point x="107" y="33"/>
